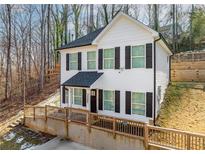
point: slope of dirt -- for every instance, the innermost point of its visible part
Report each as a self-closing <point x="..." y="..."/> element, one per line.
<point x="184" y="107"/>
<point x="12" y="107"/>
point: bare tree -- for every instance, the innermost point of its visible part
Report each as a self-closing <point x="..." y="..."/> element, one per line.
<point x="76" y="15"/>
<point x="8" y="57"/>
<point x="91" y="19"/>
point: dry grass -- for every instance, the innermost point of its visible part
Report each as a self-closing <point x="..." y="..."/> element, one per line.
<point x="184" y="108"/>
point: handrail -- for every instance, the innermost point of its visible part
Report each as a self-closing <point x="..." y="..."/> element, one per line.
<point x="152" y="135"/>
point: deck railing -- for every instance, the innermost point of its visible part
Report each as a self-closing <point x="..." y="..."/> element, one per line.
<point x="152" y="135"/>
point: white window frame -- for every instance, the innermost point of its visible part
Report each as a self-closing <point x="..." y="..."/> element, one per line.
<point x="78" y="96"/>
<point x="139" y="103"/>
<point x="91" y="60"/>
<point x="138" y="56"/>
<point x="109" y="100"/>
<point x="76" y="61"/>
<point x="108" y="59"/>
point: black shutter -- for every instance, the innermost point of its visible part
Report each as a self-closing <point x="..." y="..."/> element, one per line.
<point x="100" y="99"/>
<point x="128" y="102"/>
<point x="100" y="59"/>
<point x="149" y="55"/>
<point x="117" y="101"/>
<point x="79" y="60"/>
<point x="63" y="95"/>
<point x="149" y="104"/>
<point x="117" y="57"/>
<point x="127" y="57"/>
<point x="84" y="97"/>
<point x="67" y="61"/>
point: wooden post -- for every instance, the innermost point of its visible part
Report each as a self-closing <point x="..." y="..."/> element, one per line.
<point x="188" y="142"/>
<point x="114" y="128"/>
<point x="34" y="113"/>
<point x="46" y="113"/>
<point x="89" y="121"/>
<point x="66" y="122"/>
<point x="146" y="136"/>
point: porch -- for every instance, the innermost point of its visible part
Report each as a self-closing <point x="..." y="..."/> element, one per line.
<point x="77" y="92"/>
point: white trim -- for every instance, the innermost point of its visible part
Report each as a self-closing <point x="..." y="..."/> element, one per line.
<point x="72" y="61"/>
<point x="113" y="100"/>
<point x="139" y="103"/>
<point x="108" y="59"/>
<point x="92" y="60"/>
<point x="145" y="60"/>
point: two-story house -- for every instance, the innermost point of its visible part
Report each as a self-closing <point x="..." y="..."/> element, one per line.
<point x="121" y="70"/>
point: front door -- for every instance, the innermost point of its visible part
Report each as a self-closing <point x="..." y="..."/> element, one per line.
<point x="93" y="103"/>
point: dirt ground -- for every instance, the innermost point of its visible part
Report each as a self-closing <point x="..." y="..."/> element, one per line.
<point x="184" y="108"/>
<point x="21" y="138"/>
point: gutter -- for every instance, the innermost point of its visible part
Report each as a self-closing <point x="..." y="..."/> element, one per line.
<point x="154" y="119"/>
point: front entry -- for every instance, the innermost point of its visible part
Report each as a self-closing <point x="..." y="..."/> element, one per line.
<point x="93" y="102"/>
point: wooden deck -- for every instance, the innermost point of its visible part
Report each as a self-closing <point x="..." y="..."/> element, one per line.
<point x="164" y="138"/>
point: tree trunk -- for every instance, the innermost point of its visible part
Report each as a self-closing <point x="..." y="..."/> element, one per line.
<point x="8" y="57"/>
<point x="48" y="36"/>
<point x="156" y="21"/>
<point x="91" y="21"/>
<point x="173" y="28"/>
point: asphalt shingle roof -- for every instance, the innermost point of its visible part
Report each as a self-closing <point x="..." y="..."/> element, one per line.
<point x="82" y="79"/>
<point x="83" y="41"/>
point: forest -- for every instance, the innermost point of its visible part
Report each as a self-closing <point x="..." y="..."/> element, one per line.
<point x="30" y="35"/>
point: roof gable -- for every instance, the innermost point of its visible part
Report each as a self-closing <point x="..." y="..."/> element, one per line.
<point x="120" y="15"/>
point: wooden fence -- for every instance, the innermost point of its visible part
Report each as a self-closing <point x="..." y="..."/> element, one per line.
<point x="164" y="138"/>
<point x="188" y="66"/>
<point x="188" y="71"/>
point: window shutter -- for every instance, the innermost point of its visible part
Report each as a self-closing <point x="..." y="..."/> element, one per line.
<point x="100" y="59"/>
<point x="84" y="97"/>
<point x="128" y="102"/>
<point x="67" y="61"/>
<point x="117" y="101"/>
<point x="149" y="55"/>
<point x="149" y="104"/>
<point x="117" y="57"/>
<point x="63" y="95"/>
<point x="100" y="99"/>
<point x="127" y="57"/>
<point x="79" y="60"/>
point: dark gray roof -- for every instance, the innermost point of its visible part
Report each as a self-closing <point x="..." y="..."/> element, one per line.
<point x="82" y="79"/>
<point x="83" y="41"/>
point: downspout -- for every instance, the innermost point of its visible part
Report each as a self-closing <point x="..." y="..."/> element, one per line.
<point x="154" y="120"/>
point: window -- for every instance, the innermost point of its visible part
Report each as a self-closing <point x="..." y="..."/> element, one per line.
<point x="73" y="61"/>
<point x="91" y="60"/>
<point x="66" y="96"/>
<point x="78" y="96"/>
<point x="108" y="100"/>
<point x="138" y="103"/>
<point x="138" y="56"/>
<point x="109" y="58"/>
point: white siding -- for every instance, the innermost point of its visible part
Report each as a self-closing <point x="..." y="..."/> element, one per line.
<point x="124" y="32"/>
<point x="162" y="72"/>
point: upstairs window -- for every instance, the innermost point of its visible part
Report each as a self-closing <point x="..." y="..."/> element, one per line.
<point x="109" y="100"/>
<point x="138" y="103"/>
<point x="109" y="58"/>
<point x="138" y="56"/>
<point x="91" y="60"/>
<point x="73" y="61"/>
